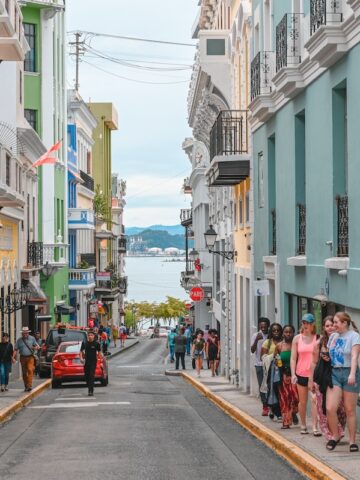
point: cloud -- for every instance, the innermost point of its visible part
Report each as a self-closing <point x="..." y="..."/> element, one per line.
<point x="152" y="118"/>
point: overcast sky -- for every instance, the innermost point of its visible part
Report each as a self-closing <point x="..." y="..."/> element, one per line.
<point x="152" y="118"/>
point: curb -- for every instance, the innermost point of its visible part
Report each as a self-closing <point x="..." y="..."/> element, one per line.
<point x="302" y="461"/>
<point x="123" y="350"/>
<point x="172" y="373"/>
<point x="7" y="412"/>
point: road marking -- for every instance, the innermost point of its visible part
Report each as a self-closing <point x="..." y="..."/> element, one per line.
<point x="77" y="405"/>
<point x="72" y="399"/>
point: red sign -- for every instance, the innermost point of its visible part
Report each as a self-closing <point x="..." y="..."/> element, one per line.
<point x="197" y="294"/>
<point x="187" y="306"/>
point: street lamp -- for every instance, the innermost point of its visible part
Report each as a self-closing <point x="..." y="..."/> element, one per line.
<point x="193" y="254"/>
<point x="210" y="239"/>
<point x="48" y="270"/>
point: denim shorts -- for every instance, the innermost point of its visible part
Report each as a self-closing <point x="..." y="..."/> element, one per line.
<point x="340" y="378"/>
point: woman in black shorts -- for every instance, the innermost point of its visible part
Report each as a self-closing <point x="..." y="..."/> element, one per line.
<point x="213" y="352"/>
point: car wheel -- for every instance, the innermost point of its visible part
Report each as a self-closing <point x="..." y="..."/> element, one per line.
<point x="55" y="384"/>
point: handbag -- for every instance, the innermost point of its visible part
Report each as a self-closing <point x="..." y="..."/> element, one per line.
<point x="34" y="354"/>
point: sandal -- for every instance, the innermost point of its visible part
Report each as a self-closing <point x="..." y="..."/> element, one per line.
<point x="331" y="444"/>
<point x="285" y="427"/>
<point x="304" y="431"/>
<point x="354" y="447"/>
<point x="316" y="433"/>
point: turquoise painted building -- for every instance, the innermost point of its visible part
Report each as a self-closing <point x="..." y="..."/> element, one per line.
<point x="305" y="104"/>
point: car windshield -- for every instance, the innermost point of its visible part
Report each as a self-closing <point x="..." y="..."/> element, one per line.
<point x="70" y="348"/>
<point x="55" y="338"/>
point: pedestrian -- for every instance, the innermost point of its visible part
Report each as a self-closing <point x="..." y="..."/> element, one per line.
<point x="180" y="347"/>
<point x="188" y="333"/>
<point x="344" y="350"/>
<point x="37" y="360"/>
<point x="122" y="335"/>
<point x="320" y="379"/>
<point x="104" y="342"/>
<point x="27" y="347"/>
<point x="272" y="380"/>
<point x="256" y="344"/>
<point x="6" y="360"/>
<point x="115" y="334"/>
<point x="300" y="363"/>
<point x="90" y="352"/>
<point x="288" y="394"/>
<point x="212" y="351"/>
<point x="198" y="349"/>
<point x="171" y="344"/>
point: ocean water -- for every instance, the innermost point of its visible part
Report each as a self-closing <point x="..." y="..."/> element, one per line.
<point x="152" y="279"/>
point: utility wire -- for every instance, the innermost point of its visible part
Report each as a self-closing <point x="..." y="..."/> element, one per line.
<point x="132" y="79"/>
<point x="135" y="39"/>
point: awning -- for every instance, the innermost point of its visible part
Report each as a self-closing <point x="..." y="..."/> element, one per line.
<point x="37" y="294"/>
<point x="109" y="298"/>
<point x="64" y="309"/>
<point x="104" y="234"/>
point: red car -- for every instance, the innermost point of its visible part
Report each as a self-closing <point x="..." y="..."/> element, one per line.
<point x="67" y="366"/>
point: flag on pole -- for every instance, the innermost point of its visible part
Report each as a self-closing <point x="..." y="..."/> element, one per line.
<point x="46" y="158"/>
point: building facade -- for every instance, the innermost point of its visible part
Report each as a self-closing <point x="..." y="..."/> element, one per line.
<point x="81" y="216"/>
<point x="45" y="110"/>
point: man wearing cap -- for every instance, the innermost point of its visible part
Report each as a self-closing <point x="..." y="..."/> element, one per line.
<point x="27" y="347"/>
<point x="90" y="351"/>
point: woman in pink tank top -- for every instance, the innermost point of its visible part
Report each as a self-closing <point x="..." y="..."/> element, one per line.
<point x="300" y="363"/>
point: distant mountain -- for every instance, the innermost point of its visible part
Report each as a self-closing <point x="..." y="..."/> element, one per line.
<point x="171" y="229"/>
<point x="156" y="239"/>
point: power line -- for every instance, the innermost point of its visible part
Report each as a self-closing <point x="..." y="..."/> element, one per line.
<point x="132" y="79"/>
<point x="135" y="39"/>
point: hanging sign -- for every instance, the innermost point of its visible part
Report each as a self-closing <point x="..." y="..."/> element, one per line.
<point x="261" y="288"/>
<point x="196" y="294"/>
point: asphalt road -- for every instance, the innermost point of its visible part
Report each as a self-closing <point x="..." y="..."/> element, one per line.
<point x="143" y="426"/>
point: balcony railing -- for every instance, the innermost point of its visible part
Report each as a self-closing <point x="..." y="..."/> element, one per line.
<point x="288" y="41"/>
<point x="273" y="232"/>
<point x="186" y="216"/>
<point x="81" y="219"/>
<point x="35" y="254"/>
<point x="229" y="134"/>
<point x="88" y="181"/>
<point x="122" y="245"/>
<point x="82" y="278"/>
<point x="342" y="227"/>
<point x="262" y="72"/>
<point x="323" y="12"/>
<point x="302" y="229"/>
<point x="55" y="253"/>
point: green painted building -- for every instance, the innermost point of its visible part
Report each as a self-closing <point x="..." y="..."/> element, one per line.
<point x="45" y="110"/>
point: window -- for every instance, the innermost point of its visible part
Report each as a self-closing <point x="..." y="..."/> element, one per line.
<point x="30" y="116"/>
<point x="235" y="216"/>
<point x="241" y="211"/>
<point x="88" y="161"/>
<point x="8" y="170"/>
<point x="30" y="59"/>
<point x="247" y="208"/>
<point x="215" y="46"/>
<point x="21" y="88"/>
<point x="261" y="196"/>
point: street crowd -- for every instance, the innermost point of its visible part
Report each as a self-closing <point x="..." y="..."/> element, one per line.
<point x="199" y="345"/>
<point x="290" y="368"/>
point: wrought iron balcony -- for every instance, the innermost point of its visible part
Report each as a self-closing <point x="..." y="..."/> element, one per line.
<point x="288" y="36"/>
<point x="186" y="217"/>
<point x="123" y="285"/>
<point x="342" y="226"/>
<point x="302" y="229"/>
<point x="273" y="232"/>
<point x="262" y="72"/>
<point x="229" y="134"/>
<point x="324" y="12"/>
<point x="88" y="181"/>
<point x="122" y="245"/>
<point x="35" y="254"/>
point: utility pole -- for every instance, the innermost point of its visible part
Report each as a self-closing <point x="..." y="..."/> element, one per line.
<point x="79" y="50"/>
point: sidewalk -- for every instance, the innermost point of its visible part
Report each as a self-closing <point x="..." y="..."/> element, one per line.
<point x="16" y="398"/>
<point x="341" y="460"/>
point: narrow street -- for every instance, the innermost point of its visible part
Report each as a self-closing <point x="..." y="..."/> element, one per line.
<point x="144" y="425"/>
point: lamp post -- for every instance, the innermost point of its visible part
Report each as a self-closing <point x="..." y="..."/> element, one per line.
<point x="133" y="310"/>
<point x="210" y="239"/>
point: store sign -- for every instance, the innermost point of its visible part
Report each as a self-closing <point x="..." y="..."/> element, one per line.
<point x="103" y="276"/>
<point x="261" y="288"/>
